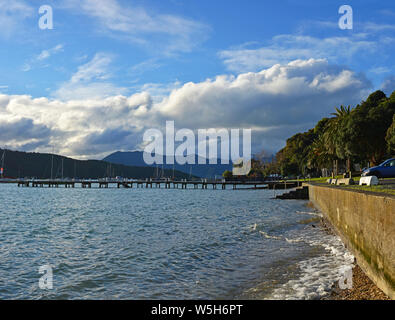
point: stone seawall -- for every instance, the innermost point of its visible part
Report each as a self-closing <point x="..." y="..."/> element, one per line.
<point x="366" y="223"/>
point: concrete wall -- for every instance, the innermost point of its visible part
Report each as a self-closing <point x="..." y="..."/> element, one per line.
<point x="366" y="224"/>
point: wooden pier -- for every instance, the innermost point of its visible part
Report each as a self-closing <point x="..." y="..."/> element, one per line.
<point x="151" y="183"/>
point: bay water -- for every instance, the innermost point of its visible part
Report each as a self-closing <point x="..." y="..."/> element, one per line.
<point x="163" y="244"/>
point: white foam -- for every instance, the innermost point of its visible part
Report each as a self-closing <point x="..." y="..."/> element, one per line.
<point x="293" y="240"/>
<point x="318" y="273"/>
<point x="318" y="214"/>
<point x="269" y="236"/>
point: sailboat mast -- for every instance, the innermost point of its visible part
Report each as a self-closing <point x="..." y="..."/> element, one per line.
<point x="52" y="168"/>
<point x="2" y="164"/>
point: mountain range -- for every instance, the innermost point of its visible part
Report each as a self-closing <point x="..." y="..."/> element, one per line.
<point x="136" y="158"/>
<point x="19" y="164"/>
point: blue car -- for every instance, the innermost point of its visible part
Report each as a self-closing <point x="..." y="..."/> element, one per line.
<point x="384" y="170"/>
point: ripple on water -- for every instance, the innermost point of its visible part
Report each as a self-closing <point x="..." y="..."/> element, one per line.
<point x="161" y="244"/>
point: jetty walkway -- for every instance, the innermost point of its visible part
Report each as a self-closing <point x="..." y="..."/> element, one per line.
<point x="151" y="183"/>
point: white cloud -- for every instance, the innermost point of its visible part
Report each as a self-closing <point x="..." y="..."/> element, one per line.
<point x="12" y="15"/>
<point x="276" y="102"/>
<point x="387" y="12"/>
<point x="369" y="40"/>
<point x="375" y="27"/>
<point x="159" y="91"/>
<point x="90" y="81"/>
<point x="388" y="85"/>
<point x="23" y="133"/>
<point x="140" y="68"/>
<point x="285" y="48"/>
<point x="172" y="33"/>
<point x="97" y="68"/>
<point x="26" y="67"/>
<point x="39" y="59"/>
<point x="300" y="91"/>
<point x="380" y="70"/>
<point x="45" y="54"/>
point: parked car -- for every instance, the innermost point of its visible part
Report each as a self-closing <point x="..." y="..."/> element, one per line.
<point x="384" y="170"/>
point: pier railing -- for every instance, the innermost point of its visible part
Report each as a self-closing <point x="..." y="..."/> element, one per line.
<point x="153" y="183"/>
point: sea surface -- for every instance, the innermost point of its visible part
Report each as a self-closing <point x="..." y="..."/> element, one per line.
<point x="163" y="244"/>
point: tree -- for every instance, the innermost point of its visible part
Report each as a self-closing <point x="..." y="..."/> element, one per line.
<point x="368" y="127"/>
<point x="360" y="134"/>
<point x="256" y="169"/>
<point x="339" y="123"/>
<point x="271" y="168"/>
<point x="339" y="133"/>
<point x="320" y="155"/>
<point x="390" y="138"/>
<point x="227" y="174"/>
<point x="293" y="158"/>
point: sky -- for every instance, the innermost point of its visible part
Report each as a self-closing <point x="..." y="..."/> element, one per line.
<point x="109" y="70"/>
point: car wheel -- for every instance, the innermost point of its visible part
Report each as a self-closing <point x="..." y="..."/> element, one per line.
<point x="378" y="175"/>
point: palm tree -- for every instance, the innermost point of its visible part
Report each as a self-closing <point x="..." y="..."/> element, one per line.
<point x="331" y="135"/>
<point x="319" y="155"/>
<point x="341" y="112"/>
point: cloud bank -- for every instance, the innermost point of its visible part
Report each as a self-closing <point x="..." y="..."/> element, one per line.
<point x="275" y="102"/>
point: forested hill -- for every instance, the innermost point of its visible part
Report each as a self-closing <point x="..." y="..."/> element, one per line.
<point x="136" y="158"/>
<point x="26" y="164"/>
<point x="363" y="135"/>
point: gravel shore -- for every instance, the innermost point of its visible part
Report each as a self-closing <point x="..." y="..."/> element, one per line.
<point x="363" y="289"/>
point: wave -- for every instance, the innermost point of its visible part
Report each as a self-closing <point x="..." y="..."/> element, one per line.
<point x="319" y="214"/>
<point x="317" y="274"/>
<point x="267" y="236"/>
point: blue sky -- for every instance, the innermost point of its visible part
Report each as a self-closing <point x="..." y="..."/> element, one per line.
<point x="189" y="61"/>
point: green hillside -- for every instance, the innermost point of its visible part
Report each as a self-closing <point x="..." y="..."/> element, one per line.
<point x="26" y="164"/>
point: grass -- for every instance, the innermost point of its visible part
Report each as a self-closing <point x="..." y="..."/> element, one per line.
<point x="387" y="189"/>
<point x="383" y="189"/>
<point x="323" y="179"/>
